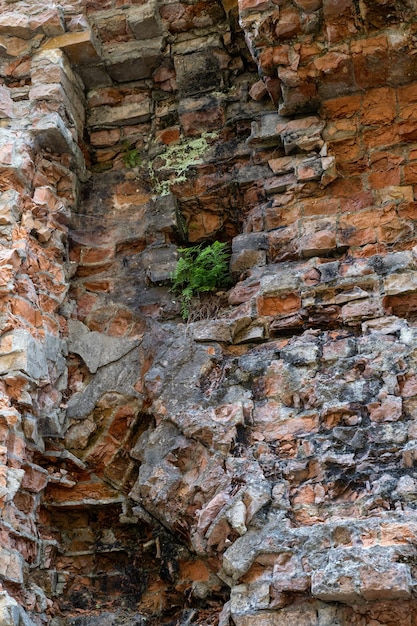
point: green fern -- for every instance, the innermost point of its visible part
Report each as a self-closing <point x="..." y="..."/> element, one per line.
<point x="200" y="269"/>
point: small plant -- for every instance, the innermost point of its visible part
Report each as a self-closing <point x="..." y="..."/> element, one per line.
<point x="200" y="269"/>
<point x="131" y="157"/>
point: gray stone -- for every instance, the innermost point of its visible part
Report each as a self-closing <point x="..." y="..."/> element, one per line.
<point x="97" y="349"/>
<point x="250" y="241"/>
<point x="240" y="261"/>
<point x="144" y="20"/>
<point x="131" y="113"/>
<point x="212" y="330"/>
<point x="94" y="76"/>
<point x="132" y="60"/>
<point x="119" y="376"/>
<point x="11" y="566"/>
<point x="197" y="72"/>
<point x="52" y="135"/>
<point x="20" y="351"/>
<point x="252" y="333"/>
<point x="292" y="616"/>
<point x="108" y="619"/>
<point x="10" y="207"/>
<point x="264" y="131"/>
<point x="160" y="262"/>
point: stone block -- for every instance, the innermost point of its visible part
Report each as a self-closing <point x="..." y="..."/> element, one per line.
<point x="10" y="207"/>
<point x="124" y="115"/>
<point x="160" y="262"/>
<point x="298" y="616"/>
<point x="246" y="259"/>
<point x="119" y="376"/>
<point x="50" y="22"/>
<point x="14" y="24"/>
<point x="81" y="48"/>
<point x="11" y="614"/>
<point x="20" y="351"/>
<point x="164" y="215"/>
<point x="133" y="60"/>
<point x="55" y="93"/>
<point x="264" y="132"/>
<point x="197" y="72"/>
<point x="251" y="334"/>
<point x="144" y="20"/>
<point x="96" y="349"/>
<point x="249" y="241"/>
<point x="392" y="584"/>
<point x="400" y="283"/>
<point x="35" y="478"/>
<point x="302" y="135"/>
<point x="279" y="184"/>
<point x="94" y="76"/>
<point x="200" y="115"/>
<point x="51" y="134"/>
<point x="258" y="91"/>
<point x="6" y="103"/>
<point x="278" y="305"/>
<point x="14" y="478"/>
<point x="388" y="410"/>
<point x="11" y="566"/>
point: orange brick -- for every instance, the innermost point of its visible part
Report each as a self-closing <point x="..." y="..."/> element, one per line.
<point x="383" y="136"/>
<point x="278" y="305"/>
<point x="23" y="308"/>
<point x="320" y="206"/>
<point x="168" y="135"/>
<point x="97" y="256"/>
<point x="347" y="150"/>
<point x="356" y="201"/>
<point x="410" y="173"/>
<point x="378" y="180"/>
<point x="378" y="106"/>
<point x="101" y="285"/>
<point x="408" y="94"/>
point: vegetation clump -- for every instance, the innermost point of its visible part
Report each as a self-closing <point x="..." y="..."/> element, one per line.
<point x="199" y="270"/>
<point x="131" y="157"/>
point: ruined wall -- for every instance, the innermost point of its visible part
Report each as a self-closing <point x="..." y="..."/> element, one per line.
<point x="256" y="465"/>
